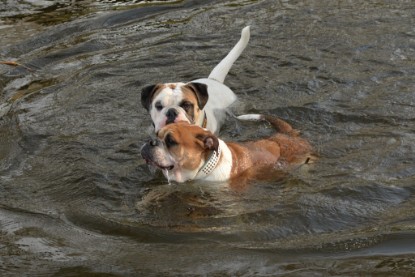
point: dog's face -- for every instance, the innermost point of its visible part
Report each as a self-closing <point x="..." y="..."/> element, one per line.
<point x="180" y="150"/>
<point x="174" y="102"/>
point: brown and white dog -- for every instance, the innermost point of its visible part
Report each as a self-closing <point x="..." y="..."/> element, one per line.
<point x="188" y="152"/>
<point x="202" y="102"/>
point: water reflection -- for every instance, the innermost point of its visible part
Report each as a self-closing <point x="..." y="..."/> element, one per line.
<point x="75" y="196"/>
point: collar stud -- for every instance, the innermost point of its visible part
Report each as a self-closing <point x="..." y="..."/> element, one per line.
<point x="211" y="163"/>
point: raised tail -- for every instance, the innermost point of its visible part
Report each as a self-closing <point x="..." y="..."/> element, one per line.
<point x="279" y="124"/>
<point x="221" y="70"/>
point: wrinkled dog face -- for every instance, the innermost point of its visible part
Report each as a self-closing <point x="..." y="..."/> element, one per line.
<point x="174" y="102"/>
<point x="180" y="150"/>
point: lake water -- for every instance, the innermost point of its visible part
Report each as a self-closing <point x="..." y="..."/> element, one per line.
<point x="76" y="198"/>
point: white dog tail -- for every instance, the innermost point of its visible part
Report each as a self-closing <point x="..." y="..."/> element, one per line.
<point x="221" y="70"/>
<point x="279" y="124"/>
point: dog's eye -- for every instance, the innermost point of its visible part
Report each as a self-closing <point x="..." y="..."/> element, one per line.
<point x="158" y="106"/>
<point x="169" y="141"/>
<point x="186" y="106"/>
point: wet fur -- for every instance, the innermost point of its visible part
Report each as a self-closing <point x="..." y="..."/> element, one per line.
<point x="193" y="146"/>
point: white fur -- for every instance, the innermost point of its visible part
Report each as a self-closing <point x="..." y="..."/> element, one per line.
<point x="179" y="174"/>
<point x="251" y="117"/>
<point x="221" y="70"/>
<point x="222" y="171"/>
<point x="169" y="99"/>
<point x="220" y="96"/>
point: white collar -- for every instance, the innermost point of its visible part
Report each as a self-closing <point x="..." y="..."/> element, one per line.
<point x="210" y="164"/>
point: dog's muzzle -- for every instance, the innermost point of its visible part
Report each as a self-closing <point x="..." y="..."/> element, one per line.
<point x="153" y="142"/>
<point x="153" y="154"/>
<point x="171" y="115"/>
<point x="148" y="149"/>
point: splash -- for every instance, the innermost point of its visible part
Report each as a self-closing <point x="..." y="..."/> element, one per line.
<point x="166" y="173"/>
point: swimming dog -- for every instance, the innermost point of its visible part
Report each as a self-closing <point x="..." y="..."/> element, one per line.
<point x="188" y="152"/>
<point x="202" y="102"/>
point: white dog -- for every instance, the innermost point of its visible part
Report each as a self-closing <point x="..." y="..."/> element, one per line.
<point x="202" y="102"/>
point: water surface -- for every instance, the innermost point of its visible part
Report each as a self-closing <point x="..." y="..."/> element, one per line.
<point x="76" y="197"/>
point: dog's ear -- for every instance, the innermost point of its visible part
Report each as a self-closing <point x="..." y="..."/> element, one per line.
<point x="209" y="141"/>
<point x="147" y="94"/>
<point x="201" y="93"/>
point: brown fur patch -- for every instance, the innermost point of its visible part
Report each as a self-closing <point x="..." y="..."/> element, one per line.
<point x="251" y="158"/>
<point x="157" y="90"/>
<point x="189" y="95"/>
<point x="189" y="150"/>
<point x="279" y="148"/>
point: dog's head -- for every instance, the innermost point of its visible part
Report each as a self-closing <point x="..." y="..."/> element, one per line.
<point x="174" y="102"/>
<point x="180" y="150"/>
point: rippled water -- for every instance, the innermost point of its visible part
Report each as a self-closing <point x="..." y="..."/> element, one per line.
<point x="76" y="197"/>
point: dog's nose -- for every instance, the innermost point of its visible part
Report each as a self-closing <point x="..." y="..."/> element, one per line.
<point x="153" y="142"/>
<point x="171" y="115"/>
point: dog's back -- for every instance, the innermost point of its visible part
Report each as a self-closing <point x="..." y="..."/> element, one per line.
<point x="291" y="147"/>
